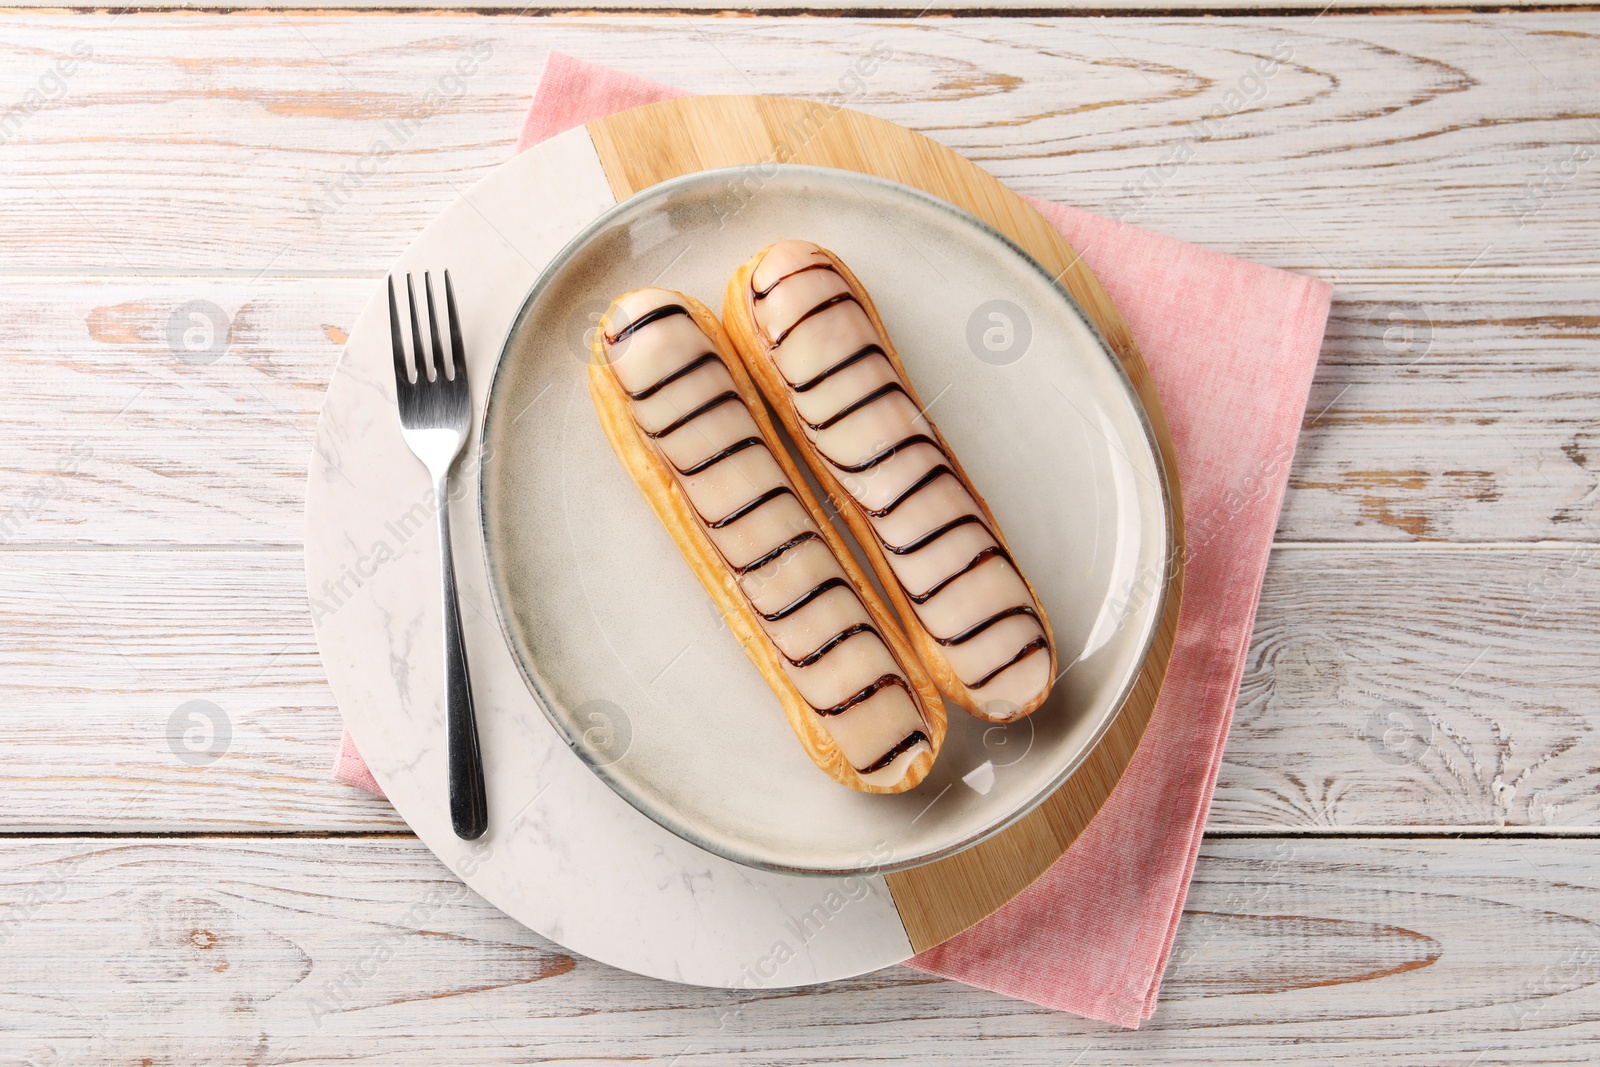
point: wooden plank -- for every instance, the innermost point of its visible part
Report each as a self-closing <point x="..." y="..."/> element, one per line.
<point x="100" y="650"/>
<point x="108" y="659"/>
<point x="259" y="142"/>
<point x="1419" y="689"/>
<point x="1291" y="951"/>
<point x="1452" y="408"/>
<point x="175" y="410"/>
<point x="1476" y="425"/>
<point x="831" y="7"/>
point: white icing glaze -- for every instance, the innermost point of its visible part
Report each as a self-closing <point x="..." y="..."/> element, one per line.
<point x="858" y="414"/>
<point x="819" y="624"/>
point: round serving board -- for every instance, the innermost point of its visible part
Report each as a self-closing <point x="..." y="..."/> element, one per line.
<point x="564" y="854"/>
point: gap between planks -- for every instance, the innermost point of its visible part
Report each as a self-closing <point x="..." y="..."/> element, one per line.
<point x="285" y="547"/>
<point x="844" y="9"/>
<point x="1348" y="276"/>
<point x="1375" y="834"/>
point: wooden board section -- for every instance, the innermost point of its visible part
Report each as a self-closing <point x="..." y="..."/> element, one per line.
<point x="1340" y="953"/>
<point x="647" y="145"/>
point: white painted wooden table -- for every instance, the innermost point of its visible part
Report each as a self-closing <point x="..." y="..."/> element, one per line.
<point x="1403" y="862"/>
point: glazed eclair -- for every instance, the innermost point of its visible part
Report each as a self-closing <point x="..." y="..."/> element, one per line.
<point x="684" y="418"/>
<point x="812" y="339"/>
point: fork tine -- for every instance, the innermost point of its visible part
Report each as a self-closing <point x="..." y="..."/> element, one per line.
<point x="424" y="361"/>
<point x="441" y="361"/>
<point x="402" y="364"/>
<point x="458" y="351"/>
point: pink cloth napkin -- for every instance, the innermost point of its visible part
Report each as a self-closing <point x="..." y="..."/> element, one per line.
<point x="1232" y="347"/>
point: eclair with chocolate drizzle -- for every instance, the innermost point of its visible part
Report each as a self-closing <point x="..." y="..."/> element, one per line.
<point x="811" y="338"/>
<point x="686" y="421"/>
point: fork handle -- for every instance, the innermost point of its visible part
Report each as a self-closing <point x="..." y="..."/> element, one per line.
<point x="469" y="806"/>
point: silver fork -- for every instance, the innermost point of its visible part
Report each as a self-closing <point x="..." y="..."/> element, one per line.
<point x="435" y="417"/>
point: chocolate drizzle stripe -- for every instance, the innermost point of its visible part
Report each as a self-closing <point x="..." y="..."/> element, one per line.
<point x="761" y="561"/>
<point x="856" y="405"/>
<point x="684" y="371"/>
<point x="718" y="456"/>
<point x="933" y="475"/>
<point x="907" y="743"/>
<point x="845" y="297"/>
<point x="805" y="598"/>
<point x="1038" y="644"/>
<point x="868" y="464"/>
<point x="665" y="311"/>
<point x="883" y="682"/>
<point x="744" y="509"/>
<point x="977" y="628"/>
<point x="992" y="552"/>
<point x="919" y="543"/>
<point x="834" y="642"/>
<point x="679" y="423"/>
<point x="864" y="352"/>
<point x="762" y="294"/>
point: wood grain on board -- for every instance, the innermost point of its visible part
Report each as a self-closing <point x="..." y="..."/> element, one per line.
<point x="1347" y="953"/>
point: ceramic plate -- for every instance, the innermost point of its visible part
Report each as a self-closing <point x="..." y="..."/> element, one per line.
<point x="625" y="651"/>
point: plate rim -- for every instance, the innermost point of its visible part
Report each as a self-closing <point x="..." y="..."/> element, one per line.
<point x="682" y="829"/>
